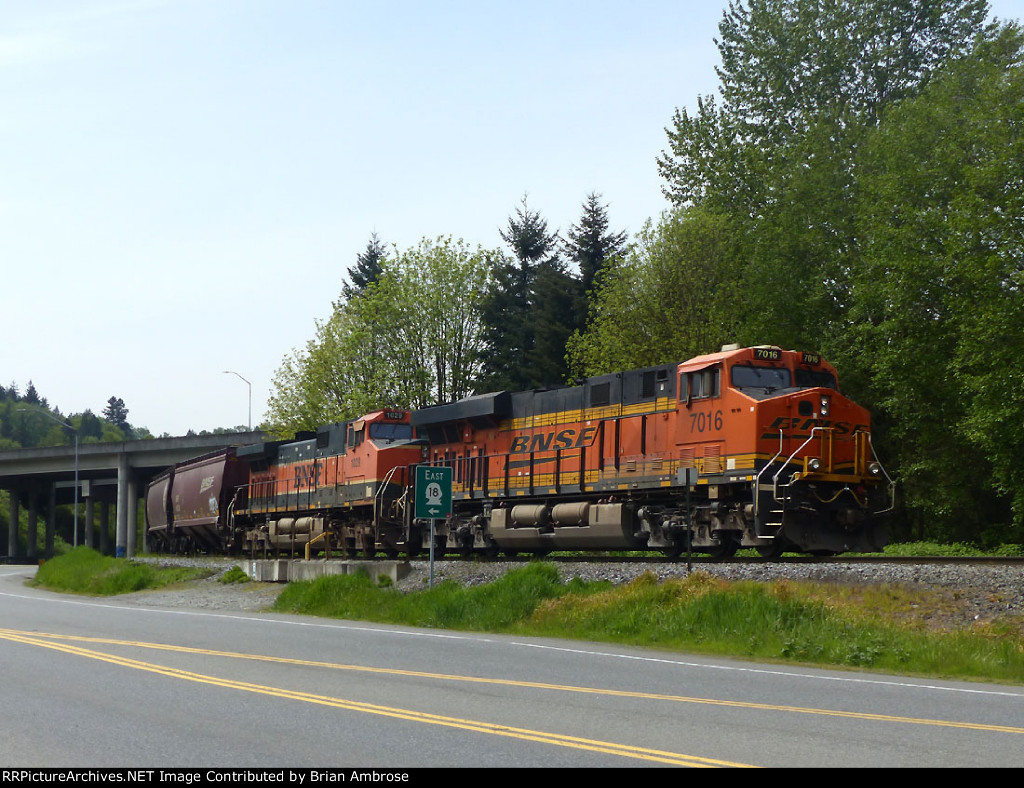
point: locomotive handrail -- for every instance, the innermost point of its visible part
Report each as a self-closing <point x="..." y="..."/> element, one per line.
<point x="378" y="502"/>
<point x="888" y="478"/>
<point x="775" y="479"/>
<point x="757" y="479"/>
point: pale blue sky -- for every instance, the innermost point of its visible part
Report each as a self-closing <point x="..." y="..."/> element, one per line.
<point x="183" y="183"/>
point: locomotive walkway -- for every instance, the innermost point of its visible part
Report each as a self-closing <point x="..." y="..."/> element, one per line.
<point x="107" y="473"/>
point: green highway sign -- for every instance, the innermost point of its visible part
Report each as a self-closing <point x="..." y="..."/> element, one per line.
<point x="433" y="492"/>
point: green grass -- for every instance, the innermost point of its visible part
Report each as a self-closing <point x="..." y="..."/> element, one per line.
<point x="877" y="627"/>
<point x="234" y="575"/>
<point x="807" y="623"/>
<point x="85" y="571"/>
<point x="900" y="549"/>
<point x="956" y="550"/>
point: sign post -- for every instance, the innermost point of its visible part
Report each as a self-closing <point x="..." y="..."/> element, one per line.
<point x="688" y="477"/>
<point x="433" y="499"/>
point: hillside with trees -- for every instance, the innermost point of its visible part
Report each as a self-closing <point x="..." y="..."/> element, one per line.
<point x="27" y="421"/>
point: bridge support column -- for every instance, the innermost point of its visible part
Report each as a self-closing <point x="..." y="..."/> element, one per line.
<point x="104" y="526"/>
<point x="90" y="518"/>
<point x="33" y="524"/>
<point x="121" y="538"/>
<point x="133" y="517"/>
<point x="51" y="521"/>
<point x="12" y="529"/>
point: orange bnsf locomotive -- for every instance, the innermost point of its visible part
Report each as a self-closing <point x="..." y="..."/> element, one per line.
<point x="752" y="447"/>
<point x="343" y="488"/>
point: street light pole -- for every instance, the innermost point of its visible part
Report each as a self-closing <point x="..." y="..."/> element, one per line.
<point x="247" y="383"/>
<point x="47" y="413"/>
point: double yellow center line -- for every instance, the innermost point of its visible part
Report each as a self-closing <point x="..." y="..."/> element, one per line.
<point x="64" y="643"/>
<point x="611" y="748"/>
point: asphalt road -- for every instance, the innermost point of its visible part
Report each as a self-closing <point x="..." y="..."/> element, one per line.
<point x="95" y="683"/>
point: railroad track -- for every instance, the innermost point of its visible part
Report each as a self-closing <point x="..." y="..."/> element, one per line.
<point x="656" y="559"/>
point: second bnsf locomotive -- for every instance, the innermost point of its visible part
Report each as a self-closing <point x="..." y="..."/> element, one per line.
<point x="749" y="447"/>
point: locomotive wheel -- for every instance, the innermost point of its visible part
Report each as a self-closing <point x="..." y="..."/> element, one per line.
<point x="673" y="551"/>
<point x="770" y="551"/>
<point x="726" y="547"/>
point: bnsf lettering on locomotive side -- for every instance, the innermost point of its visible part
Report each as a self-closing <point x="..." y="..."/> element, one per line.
<point x="801" y="425"/>
<point x="307" y="475"/>
<point x="553" y="440"/>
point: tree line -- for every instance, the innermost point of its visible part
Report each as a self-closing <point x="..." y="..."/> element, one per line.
<point x="443" y="320"/>
<point x="28" y="421"/>
<point x="854" y="188"/>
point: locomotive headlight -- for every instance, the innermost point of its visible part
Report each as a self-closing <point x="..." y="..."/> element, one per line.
<point x="825" y="402"/>
<point x="814" y="465"/>
<point x="875" y="469"/>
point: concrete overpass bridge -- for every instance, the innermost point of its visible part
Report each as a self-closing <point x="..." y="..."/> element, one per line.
<point x="109" y="476"/>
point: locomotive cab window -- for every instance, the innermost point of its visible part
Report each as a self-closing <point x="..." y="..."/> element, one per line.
<point x="702" y="384"/>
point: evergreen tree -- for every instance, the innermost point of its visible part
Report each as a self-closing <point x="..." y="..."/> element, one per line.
<point x="591" y="247"/>
<point x="368" y="268"/>
<point x="553" y="314"/>
<point x="527" y="296"/>
<point x="31" y="395"/>
<point x="589" y="244"/>
<point x="117" y="414"/>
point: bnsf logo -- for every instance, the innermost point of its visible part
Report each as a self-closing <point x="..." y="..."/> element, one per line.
<point x="307" y="475"/>
<point x="554" y="440"/>
<point x="799" y="426"/>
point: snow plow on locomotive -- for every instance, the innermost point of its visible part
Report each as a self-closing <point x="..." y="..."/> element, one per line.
<point x="748" y="447"/>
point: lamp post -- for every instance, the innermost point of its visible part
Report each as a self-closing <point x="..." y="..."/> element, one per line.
<point x="247" y="383"/>
<point x="64" y="424"/>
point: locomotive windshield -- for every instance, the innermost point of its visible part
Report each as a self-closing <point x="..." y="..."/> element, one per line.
<point x="390" y="432"/>
<point x="815" y="378"/>
<point x="765" y="378"/>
